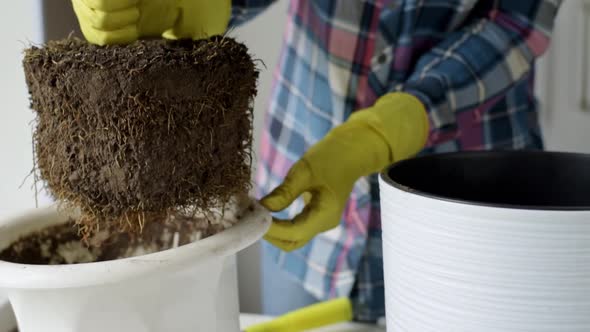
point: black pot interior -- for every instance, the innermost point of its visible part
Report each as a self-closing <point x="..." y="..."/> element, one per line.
<point x="531" y="179"/>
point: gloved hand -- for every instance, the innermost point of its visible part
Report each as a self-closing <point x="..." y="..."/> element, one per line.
<point x="123" y="21"/>
<point x="395" y="128"/>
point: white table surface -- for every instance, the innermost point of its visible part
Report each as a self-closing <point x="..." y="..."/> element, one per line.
<point x="7" y="322"/>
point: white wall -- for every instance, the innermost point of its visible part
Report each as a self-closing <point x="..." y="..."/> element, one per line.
<point x="263" y="36"/>
<point x="20" y="24"/>
<point x="566" y="125"/>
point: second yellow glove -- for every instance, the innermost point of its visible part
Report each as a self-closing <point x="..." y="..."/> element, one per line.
<point x="395" y="128"/>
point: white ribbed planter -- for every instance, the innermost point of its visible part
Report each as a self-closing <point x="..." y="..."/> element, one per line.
<point x="495" y="263"/>
<point x="189" y="288"/>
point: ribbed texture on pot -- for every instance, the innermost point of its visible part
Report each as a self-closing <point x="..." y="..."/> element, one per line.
<point x="453" y="267"/>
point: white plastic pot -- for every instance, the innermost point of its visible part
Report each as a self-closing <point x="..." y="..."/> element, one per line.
<point x="496" y="241"/>
<point x="189" y="288"/>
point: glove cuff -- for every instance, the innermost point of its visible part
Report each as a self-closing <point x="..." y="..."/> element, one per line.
<point x="401" y="119"/>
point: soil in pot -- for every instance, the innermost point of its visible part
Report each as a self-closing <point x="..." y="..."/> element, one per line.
<point x="128" y="130"/>
<point x="65" y="244"/>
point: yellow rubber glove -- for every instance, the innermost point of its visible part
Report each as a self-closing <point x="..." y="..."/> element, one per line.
<point x="310" y="317"/>
<point x="395" y="128"/>
<point x="123" y="21"/>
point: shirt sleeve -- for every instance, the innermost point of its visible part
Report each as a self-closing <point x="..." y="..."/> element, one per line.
<point x="245" y="10"/>
<point x="481" y="61"/>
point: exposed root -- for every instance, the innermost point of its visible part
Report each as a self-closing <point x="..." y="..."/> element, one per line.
<point x="130" y="133"/>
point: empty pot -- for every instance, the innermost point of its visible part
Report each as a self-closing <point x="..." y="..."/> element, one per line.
<point x="189" y="288"/>
<point x="487" y="241"/>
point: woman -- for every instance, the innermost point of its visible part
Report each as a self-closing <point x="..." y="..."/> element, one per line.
<point x="360" y="85"/>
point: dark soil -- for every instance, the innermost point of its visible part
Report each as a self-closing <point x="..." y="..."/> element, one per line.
<point x="125" y="131"/>
<point x="63" y="244"/>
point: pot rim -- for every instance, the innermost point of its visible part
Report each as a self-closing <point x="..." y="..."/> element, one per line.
<point x="385" y="178"/>
<point x="250" y="229"/>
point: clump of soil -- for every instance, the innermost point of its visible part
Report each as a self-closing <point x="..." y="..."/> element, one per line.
<point x="125" y="132"/>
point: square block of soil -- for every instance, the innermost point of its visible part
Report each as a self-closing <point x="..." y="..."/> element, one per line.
<point x="146" y="127"/>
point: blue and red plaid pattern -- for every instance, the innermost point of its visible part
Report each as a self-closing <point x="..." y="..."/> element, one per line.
<point x="470" y="62"/>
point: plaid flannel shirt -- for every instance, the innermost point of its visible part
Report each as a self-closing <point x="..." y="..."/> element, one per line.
<point x="470" y="62"/>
